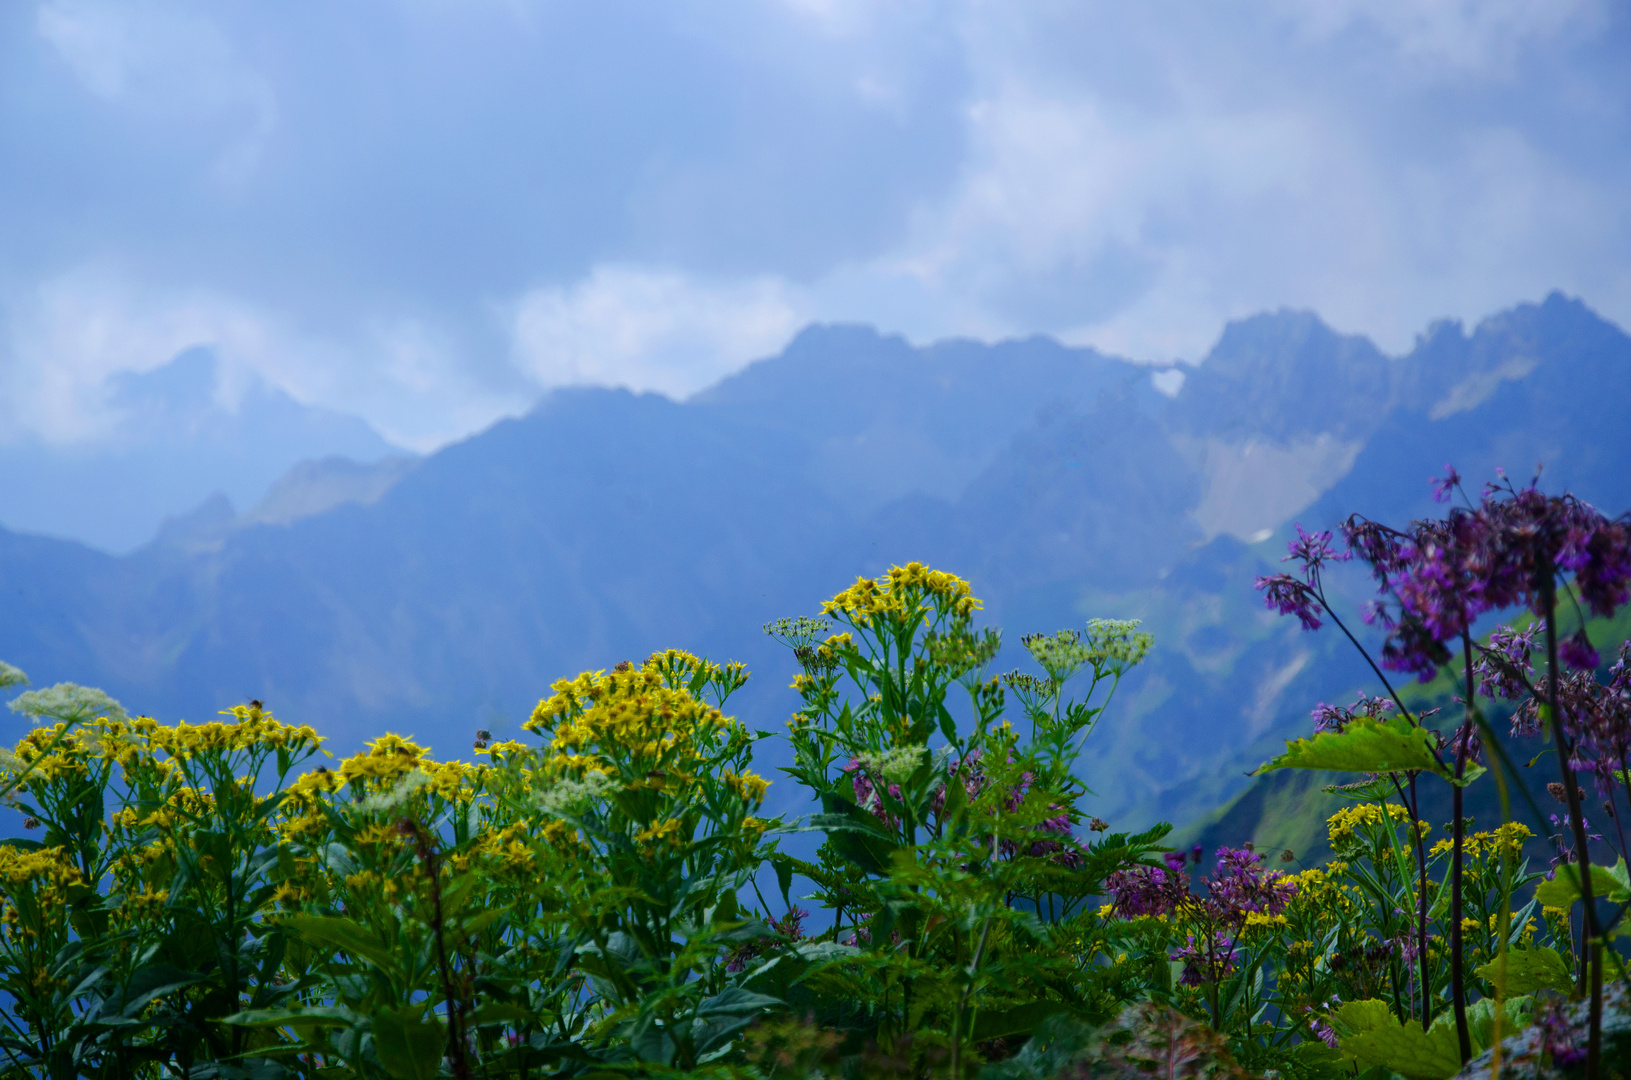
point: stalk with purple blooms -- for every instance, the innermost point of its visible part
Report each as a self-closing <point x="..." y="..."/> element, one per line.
<point x="1435" y="579"/>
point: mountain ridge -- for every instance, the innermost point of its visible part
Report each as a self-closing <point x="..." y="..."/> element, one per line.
<point x="604" y="524"/>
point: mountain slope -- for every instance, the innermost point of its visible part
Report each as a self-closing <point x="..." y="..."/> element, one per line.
<point x="605" y="524"/>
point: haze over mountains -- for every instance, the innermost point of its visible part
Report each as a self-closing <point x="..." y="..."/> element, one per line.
<point x="167" y="440"/>
<point x="437" y="596"/>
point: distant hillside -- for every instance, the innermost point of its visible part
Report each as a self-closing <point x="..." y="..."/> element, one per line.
<point x="447" y="595"/>
<point x="172" y="438"/>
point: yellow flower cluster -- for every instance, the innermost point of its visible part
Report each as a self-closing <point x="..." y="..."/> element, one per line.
<point x="506" y="846"/>
<point x="633" y="716"/>
<point x="1320" y="891"/>
<point x="253" y="728"/>
<point x="750" y="787"/>
<point x="904" y="591"/>
<point x="1342" y="826"/>
<point x="659" y="831"/>
<point x="1505" y="842"/>
<point x="50" y="872"/>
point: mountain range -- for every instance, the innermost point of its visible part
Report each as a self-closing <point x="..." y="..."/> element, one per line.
<point x="164" y="441"/>
<point x="440" y="595"/>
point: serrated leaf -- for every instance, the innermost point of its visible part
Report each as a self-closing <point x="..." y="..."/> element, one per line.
<point x="1481" y="1020"/>
<point x="1375" y="1037"/>
<point x="1529" y="970"/>
<point x="1564" y="889"/>
<point x="1368" y="745"/>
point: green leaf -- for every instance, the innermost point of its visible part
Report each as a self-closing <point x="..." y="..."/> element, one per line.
<point x="301" y="1017"/>
<point x="409" y="1043"/>
<point x="1481" y="1020"/>
<point x="1529" y="970"/>
<point x="1018" y="1021"/>
<point x="1368" y="746"/>
<point x="1564" y="889"/>
<point x="1375" y="1037"/>
<point x="502" y="1012"/>
<point x="344" y="935"/>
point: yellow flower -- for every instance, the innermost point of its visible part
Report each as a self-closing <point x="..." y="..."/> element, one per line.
<point x="1341" y="825"/>
<point x="749" y="787"/>
<point x="913" y="588"/>
<point x="652" y="834"/>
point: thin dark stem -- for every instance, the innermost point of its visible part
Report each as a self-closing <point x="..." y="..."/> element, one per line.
<point x="455" y="1011"/>
<point x="1421" y="905"/>
<point x="1625" y="770"/>
<point x="1458" y="986"/>
<point x="1392" y="693"/>
<point x="1591" y="947"/>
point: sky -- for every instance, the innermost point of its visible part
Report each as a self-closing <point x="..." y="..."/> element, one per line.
<point x="427" y="212"/>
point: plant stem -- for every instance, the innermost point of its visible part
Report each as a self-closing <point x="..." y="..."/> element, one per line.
<point x="1421" y="906"/>
<point x="1591" y="939"/>
<point x="455" y="1011"/>
<point x="1458" y="986"/>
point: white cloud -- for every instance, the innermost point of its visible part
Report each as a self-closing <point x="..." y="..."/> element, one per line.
<point x="61" y="341"/>
<point x="651" y="330"/>
<point x="471" y="201"/>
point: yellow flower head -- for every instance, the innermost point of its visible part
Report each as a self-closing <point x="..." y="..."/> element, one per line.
<point x="905" y="590"/>
<point x="1342" y="826"/>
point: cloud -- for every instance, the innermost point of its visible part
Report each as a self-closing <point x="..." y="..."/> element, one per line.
<point x="651" y="330"/>
<point x="60" y="342"/>
<point x="426" y="212"/>
<point x="165" y="61"/>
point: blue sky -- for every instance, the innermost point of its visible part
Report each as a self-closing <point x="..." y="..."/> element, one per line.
<point x="427" y="211"/>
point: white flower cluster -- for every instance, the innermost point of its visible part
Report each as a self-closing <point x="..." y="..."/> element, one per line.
<point x="70" y="703"/>
<point x="381" y="802"/>
<point x="572" y="796"/>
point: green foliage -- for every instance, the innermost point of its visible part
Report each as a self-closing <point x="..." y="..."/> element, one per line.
<point x="604" y="899"/>
<point x="1370" y="745"/>
<point x="1372" y="1035"/>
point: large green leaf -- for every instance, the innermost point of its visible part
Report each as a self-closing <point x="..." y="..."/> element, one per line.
<point x="1375" y="1037"/>
<point x="1369" y="746"/>
<point x="1564" y="889"/>
<point x="409" y="1043"/>
<point x="1529" y="970"/>
<point x="1481" y="1019"/>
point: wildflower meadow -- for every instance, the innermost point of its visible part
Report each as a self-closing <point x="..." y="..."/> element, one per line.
<point x="609" y="897"/>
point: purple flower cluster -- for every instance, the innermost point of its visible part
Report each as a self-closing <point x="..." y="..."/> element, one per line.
<point x="1596" y="718"/>
<point x="1239" y="886"/>
<point x="787" y="929"/>
<point x="1558" y="1036"/>
<point x="1336" y="717"/>
<point x="1439" y="576"/>
<point x="1207" y="961"/>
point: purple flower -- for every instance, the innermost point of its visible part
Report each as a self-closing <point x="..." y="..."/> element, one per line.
<point x="1444" y="486"/>
<point x="1289" y="596"/>
<point x="1503" y="669"/>
<point x="1336" y="717"/>
<point x="1558" y="1036"/>
<point x="1576" y="651"/>
<point x="1146" y="890"/>
<point x="1206" y="963"/>
<point x="1313" y="551"/>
